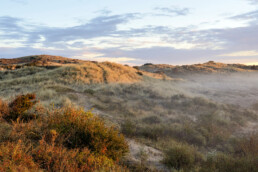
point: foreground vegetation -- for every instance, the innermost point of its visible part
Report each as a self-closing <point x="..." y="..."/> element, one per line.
<point x="34" y="139"/>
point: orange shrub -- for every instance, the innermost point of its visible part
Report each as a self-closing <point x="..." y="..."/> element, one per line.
<point x="58" y="158"/>
<point x="80" y="129"/>
<point x="16" y="157"/>
<point x="68" y="140"/>
<point x="20" y="105"/>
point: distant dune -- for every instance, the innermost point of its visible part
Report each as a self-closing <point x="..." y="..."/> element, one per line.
<point x="205" y="68"/>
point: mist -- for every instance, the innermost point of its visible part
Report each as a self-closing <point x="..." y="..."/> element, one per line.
<point x="234" y="88"/>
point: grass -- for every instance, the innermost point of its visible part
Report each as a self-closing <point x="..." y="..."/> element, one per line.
<point x="163" y="120"/>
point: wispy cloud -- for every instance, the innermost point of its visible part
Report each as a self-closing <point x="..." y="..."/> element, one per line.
<point x="251" y="16"/>
<point x="10" y="24"/>
<point x="172" y="11"/>
<point x="253" y="1"/>
<point x="97" y="27"/>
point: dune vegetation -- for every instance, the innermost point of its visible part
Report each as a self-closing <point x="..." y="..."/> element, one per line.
<point x="34" y="139"/>
<point x="189" y="122"/>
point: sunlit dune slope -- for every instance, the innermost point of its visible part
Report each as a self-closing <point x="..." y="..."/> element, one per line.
<point x="75" y="70"/>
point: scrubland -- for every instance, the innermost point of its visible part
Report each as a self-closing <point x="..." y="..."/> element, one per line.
<point x="198" y="123"/>
<point x="37" y="139"/>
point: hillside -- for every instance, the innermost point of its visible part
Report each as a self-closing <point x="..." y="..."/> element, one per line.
<point x="79" y="70"/>
<point x="206" y="119"/>
<point x="205" y="68"/>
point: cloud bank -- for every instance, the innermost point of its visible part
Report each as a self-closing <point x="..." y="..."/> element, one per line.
<point x="102" y="38"/>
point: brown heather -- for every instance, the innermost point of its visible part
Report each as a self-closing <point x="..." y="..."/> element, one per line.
<point x="57" y="140"/>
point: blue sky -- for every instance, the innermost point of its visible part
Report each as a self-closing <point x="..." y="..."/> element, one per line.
<point x="132" y="32"/>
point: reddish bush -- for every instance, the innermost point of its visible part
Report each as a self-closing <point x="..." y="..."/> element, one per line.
<point x="61" y="140"/>
<point x="58" y="158"/>
<point x="81" y="129"/>
<point x="16" y="157"/>
<point x="19" y="107"/>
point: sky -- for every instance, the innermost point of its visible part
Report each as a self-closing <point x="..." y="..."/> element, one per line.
<point x="132" y="32"/>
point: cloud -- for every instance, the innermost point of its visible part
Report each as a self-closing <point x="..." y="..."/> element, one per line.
<point x="172" y="11"/>
<point x="97" y="27"/>
<point x="104" y="11"/>
<point x="16" y="28"/>
<point x="240" y="39"/>
<point x="11" y="29"/>
<point x="250" y="16"/>
<point x="10" y="24"/>
<point x="253" y="1"/>
<point x="228" y="45"/>
<point x="101" y="39"/>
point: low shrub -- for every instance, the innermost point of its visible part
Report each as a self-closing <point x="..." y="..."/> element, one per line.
<point x="128" y="128"/>
<point x="182" y="156"/>
<point x="152" y="120"/>
<point x="89" y="91"/>
<point x="80" y="129"/>
<point x="19" y="107"/>
<point x="151" y="132"/>
<point x="16" y="157"/>
<point x="187" y="133"/>
<point x="58" y="158"/>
